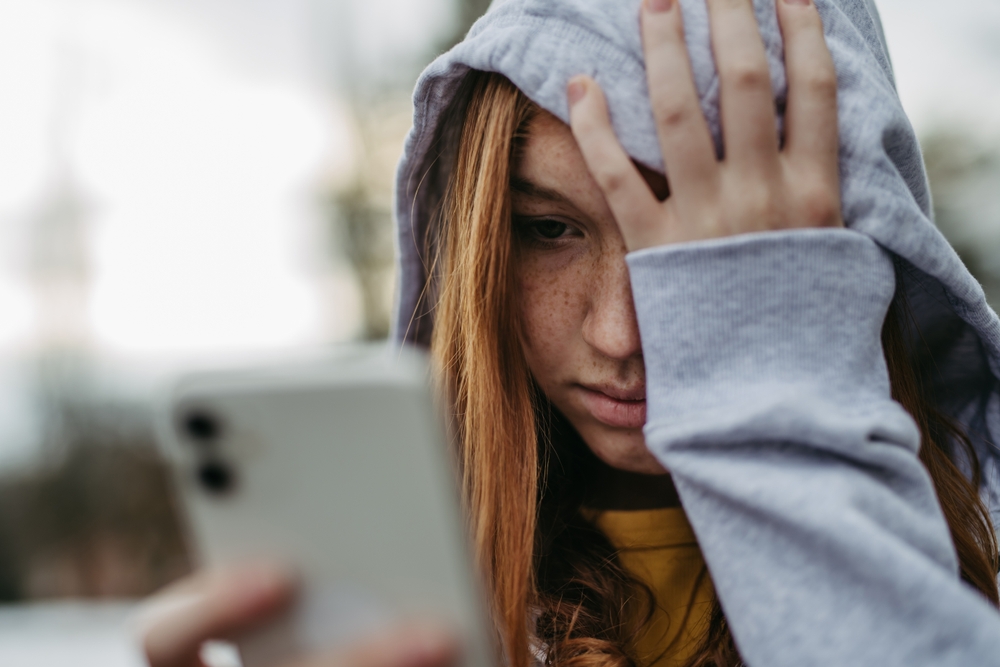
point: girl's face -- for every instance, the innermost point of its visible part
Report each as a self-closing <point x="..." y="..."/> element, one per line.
<point x="580" y="334"/>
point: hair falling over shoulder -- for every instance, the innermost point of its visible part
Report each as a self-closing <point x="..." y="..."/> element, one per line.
<point x="476" y="348"/>
<point x="557" y="592"/>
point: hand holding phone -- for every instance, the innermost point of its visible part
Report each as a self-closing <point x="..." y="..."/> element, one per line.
<point x="339" y="468"/>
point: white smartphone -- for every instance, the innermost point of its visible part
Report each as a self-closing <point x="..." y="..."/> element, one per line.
<point x="338" y="466"/>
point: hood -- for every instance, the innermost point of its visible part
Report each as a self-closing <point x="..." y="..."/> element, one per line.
<point x="540" y="44"/>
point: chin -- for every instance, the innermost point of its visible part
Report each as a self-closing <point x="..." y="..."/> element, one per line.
<point x="622" y="449"/>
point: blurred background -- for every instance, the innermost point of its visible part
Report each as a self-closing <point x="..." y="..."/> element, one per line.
<point x="185" y="181"/>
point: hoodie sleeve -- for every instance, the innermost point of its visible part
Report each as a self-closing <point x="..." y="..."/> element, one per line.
<point x="768" y="399"/>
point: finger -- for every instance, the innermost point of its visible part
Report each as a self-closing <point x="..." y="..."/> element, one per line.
<point x="212" y="605"/>
<point x="746" y="98"/>
<point x="632" y="203"/>
<point x="811" y="117"/>
<point x="413" y="645"/>
<point x="685" y="141"/>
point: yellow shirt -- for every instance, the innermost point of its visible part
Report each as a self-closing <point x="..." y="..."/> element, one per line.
<point x="659" y="548"/>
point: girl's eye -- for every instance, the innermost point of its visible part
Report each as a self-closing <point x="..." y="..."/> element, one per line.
<point x="549" y="229"/>
<point x="542" y="230"/>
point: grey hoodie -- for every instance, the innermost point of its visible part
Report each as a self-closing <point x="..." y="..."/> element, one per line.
<point x="768" y="395"/>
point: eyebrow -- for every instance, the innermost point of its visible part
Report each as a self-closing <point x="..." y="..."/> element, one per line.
<point x="527" y="188"/>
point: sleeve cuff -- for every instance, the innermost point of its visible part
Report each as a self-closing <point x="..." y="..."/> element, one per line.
<point x="738" y="331"/>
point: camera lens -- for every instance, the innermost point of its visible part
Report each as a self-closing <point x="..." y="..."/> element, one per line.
<point x="216" y="477"/>
<point x="201" y="426"/>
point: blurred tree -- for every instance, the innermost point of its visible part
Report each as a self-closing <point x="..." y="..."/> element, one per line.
<point x="361" y="213"/>
<point x="964" y="173"/>
<point x="365" y="236"/>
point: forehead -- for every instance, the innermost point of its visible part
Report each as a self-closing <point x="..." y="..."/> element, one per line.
<point x="546" y="132"/>
<point x="550" y="157"/>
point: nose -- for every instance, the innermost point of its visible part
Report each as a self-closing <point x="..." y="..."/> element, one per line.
<point x="610" y="326"/>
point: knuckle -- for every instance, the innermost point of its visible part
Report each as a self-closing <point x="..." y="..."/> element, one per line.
<point x="823" y="82"/>
<point x="818" y="203"/>
<point x="747" y="76"/>
<point x="610" y="180"/>
<point x="671" y="116"/>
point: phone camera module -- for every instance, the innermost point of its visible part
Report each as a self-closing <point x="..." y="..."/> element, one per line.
<point x="216" y="477"/>
<point x="201" y="426"/>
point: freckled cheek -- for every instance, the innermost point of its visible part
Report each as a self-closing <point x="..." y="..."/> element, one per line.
<point x="553" y="307"/>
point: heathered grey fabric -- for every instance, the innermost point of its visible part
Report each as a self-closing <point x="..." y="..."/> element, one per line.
<point x="768" y="400"/>
<point x="768" y="394"/>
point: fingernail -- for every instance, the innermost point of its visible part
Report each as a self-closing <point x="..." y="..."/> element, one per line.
<point x="659" y="5"/>
<point x="797" y="2"/>
<point x="575" y="90"/>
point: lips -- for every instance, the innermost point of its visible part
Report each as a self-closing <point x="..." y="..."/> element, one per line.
<point x="615" y="406"/>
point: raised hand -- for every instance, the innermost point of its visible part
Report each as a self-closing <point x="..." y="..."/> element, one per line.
<point x="760" y="185"/>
